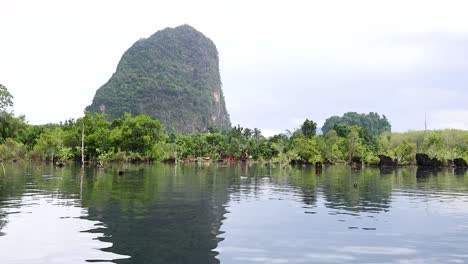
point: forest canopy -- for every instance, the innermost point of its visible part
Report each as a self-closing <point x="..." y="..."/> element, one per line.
<point x="353" y="138"/>
<point x="371" y="121"/>
<point x="143" y="139"/>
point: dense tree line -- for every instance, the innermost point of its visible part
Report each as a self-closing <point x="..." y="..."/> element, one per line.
<point x="141" y="138"/>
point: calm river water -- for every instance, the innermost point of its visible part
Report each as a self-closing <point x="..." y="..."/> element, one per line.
<point x="232" y="214"/>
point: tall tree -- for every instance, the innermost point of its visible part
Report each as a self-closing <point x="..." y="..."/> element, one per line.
<point x="6" y="99"/>
<point x="257" y="133"/>
<point x="309" y="128"/>
<point x="353" y="143"/>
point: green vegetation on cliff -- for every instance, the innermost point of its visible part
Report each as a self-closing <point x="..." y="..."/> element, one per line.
<point x="172" y="76"/>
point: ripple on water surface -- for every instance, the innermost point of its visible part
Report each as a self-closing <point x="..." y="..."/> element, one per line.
<point x="232" y="214"/>
<point x="41" y="229"/>
<point x="380" y="219"/>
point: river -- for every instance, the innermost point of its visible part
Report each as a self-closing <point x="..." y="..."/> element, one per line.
<point x="245" y="213"/>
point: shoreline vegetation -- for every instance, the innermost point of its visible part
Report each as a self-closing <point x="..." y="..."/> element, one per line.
<point x="354" y="139"/>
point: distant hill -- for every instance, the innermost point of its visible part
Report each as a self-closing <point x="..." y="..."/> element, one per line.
<point x="371" y="121"/>
<point x="172" y="76"/>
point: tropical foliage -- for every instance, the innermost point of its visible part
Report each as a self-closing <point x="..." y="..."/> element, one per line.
<point x="141" y="138"/>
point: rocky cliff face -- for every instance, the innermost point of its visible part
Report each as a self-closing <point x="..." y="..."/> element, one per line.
<point x="172" y="76"/>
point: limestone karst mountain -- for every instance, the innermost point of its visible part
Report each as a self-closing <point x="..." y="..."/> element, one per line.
<point x="172" y="76"/>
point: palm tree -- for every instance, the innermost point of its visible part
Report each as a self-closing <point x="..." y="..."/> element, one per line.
<point x="247" y="133"/>
<point x="257" y="133"/>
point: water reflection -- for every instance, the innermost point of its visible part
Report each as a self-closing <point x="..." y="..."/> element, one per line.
<point x="348" y="216"/>
<point x="160" y="214"/>
<point x="51" y="231"/>
<point x="460" y="171"/>
<point x="232" y="214"/>
<point x="356" y="190"/>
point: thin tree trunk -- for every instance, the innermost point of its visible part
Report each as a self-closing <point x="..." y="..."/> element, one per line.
<point x="82" y="146"/>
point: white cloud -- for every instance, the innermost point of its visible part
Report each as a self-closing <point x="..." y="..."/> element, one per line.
<point x="271" y="132"/>
<point x="278" y="59"/>
<point x="298" y="121"/>
<point x="457" y="119"/>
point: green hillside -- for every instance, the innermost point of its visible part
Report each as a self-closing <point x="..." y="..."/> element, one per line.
<point x="172" y="76"/>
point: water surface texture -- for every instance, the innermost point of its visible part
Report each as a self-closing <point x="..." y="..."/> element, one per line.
<point x="232" y="214"/>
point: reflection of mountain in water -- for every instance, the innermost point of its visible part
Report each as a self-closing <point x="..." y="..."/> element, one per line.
<point x="167" y="214"/>
<point x="3" y="222"/>
<point x="160" y="214"/>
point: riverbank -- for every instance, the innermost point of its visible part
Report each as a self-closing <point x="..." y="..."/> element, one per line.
<point x="141" y="139"/>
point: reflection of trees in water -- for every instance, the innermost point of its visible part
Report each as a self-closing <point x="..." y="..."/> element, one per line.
<point x="12" y="187"/>
<point x="250" y="181"/>
<point x="356" y="190"/>
<point x="30" y="178"/>
<point x="432" y="180"/>
<point x="305" y="179"/>
<point x="427" y="172"/>
<point x="3" y="221"/>
<point x="460" y="171"/>
<point x="370" y="189"/>
<point x="162" y="214"/>
<point x="167" y="214"/>
<point x="422" y="172"/>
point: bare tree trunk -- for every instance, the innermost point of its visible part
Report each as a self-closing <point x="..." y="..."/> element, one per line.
<point x="82" y="145"/>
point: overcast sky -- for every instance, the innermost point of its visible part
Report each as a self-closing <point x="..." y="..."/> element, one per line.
<point x="280" y="61"/>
